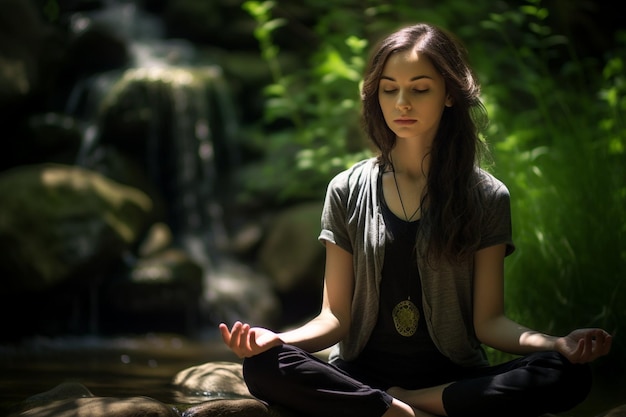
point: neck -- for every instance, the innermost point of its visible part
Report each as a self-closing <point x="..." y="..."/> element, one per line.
<point x="410" y="161"/>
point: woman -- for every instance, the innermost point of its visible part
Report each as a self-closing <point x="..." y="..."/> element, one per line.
<point x="415" y="245"/>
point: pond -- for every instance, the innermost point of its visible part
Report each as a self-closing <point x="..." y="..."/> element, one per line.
<point x="144" y="365"/>
<point x="138" y="365"/>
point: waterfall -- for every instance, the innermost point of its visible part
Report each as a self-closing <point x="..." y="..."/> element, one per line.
<point x="187" y="114"/>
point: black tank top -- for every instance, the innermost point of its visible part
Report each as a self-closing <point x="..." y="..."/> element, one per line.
<point x="391" y="355"/>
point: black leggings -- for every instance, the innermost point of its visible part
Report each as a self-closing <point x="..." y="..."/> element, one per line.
<point x="529" y="386"/>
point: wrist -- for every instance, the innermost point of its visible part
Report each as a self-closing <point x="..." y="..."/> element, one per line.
<point x="538" y="341"/>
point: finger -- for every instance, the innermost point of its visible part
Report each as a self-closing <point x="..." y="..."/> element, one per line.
<point x="225" y="333"/>
<point x="607" y="344"/>
<point x="243" y="337"/>
<point x="602" y="344"/>
<point x="235" y="335"/>
<point x="237" y="338"/>
<point x="587" y="353"/>
<point x="576" y="355"/>
<point x="253" y="343"/>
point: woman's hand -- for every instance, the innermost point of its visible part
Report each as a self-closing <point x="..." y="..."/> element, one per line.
<point x="584" y="345"/>
<point x="248" y="341"/>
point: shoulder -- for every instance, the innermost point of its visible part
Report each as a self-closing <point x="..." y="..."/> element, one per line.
<point x="492" y="193"/>
<point x="489" y="185"/>
<point x="358" y="174"/>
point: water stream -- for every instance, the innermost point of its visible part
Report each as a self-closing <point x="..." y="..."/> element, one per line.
<point x="187" y="142"/>
<point x="191" y="122"/>
<point x="197" y="139"/>
<point x="124" y="366"/>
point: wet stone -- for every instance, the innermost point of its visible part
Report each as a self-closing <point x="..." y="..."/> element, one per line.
<point x="100" y="407"/>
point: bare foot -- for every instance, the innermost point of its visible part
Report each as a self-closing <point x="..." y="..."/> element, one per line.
<point x="399" y="393"/>
<point x="400" y="409"/>
<point x="426" y="399"/>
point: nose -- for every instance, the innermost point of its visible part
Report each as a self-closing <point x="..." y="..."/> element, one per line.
<point x="402" y="104"/>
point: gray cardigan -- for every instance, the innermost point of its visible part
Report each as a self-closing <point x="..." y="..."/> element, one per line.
<point x="353" y="220"/>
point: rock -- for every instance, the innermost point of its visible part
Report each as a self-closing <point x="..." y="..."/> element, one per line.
<point x="161" y="292"/>
<point x="158" y="239"/>
<point x="220" y="381"/>
<point x="59" y="222"/>
<point x="236" y="291"/>
<point x="71" y="399"/>
<point x="293" y="258"/>
<point x="101" y="407"/>
<point x="65" y="390"/>
<point x="291" y="253"/>
<point x="615" y="412"/>
<point x="222" y="408"/>
<point x="212" y="378"/>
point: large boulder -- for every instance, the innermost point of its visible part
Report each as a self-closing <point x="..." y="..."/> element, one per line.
<point x="293" y="258"/>
<point x="60" y="222"/>
<point x="213" y="379"/>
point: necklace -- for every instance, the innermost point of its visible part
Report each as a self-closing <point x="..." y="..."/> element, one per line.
<point x="405" y="314"/>
<point x="407" y="218"/>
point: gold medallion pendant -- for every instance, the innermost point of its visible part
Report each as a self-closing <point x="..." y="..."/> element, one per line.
<point x="405" y="317"/>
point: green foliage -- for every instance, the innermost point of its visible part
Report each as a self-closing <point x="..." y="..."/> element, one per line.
<point x="557" y="133"/>
<point x="561" y="152"/>
<point x="318" y="108"/>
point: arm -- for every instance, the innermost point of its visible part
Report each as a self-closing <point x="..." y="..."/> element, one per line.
<point x="326" y="329"/>
<point x="333" y="321"/>
<point x="494" y="329"/>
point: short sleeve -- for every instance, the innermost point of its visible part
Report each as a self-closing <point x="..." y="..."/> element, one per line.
<point x="334" y="227"/>
<point x="496" y="225"/>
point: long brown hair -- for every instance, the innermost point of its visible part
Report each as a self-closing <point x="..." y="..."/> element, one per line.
<point x="452" y="201"/>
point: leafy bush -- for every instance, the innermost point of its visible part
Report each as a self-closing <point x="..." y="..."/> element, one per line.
<point x="316" y="107"/>
<point x="562" y="154"/>
<point x="557" y="133"/>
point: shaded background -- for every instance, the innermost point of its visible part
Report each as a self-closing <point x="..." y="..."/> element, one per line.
<point x="163" y="165"/>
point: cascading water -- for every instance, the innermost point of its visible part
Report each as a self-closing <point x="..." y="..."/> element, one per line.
<point x="182" y="123"/>
<point x="175" y="117"/>
<point x="163" y="80"/>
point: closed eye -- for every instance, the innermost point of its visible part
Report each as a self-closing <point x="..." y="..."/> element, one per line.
<point x="394" y="90"/>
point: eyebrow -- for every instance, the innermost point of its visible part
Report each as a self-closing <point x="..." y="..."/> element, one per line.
<point x="417" y="77"/>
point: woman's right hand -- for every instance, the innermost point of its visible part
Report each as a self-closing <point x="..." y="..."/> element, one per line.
<point x="248" y="341"/>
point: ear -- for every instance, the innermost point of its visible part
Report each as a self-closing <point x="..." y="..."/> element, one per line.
<point x="449" y="101"/>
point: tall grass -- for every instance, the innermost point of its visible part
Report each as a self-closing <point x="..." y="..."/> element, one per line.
<point x="559" y="144"/>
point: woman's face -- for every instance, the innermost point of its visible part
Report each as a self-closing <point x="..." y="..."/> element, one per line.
<point x="412" y="96"/>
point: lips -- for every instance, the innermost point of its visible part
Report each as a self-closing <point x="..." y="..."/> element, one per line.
<point x="404" y="122"/>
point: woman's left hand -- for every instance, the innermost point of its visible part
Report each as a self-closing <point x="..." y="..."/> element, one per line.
<point x="584" y="345"/>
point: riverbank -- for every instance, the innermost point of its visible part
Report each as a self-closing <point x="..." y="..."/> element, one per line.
<point x="144" y="365"/>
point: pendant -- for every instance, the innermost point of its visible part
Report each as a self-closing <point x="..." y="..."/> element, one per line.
<point x="405" y="317"/>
